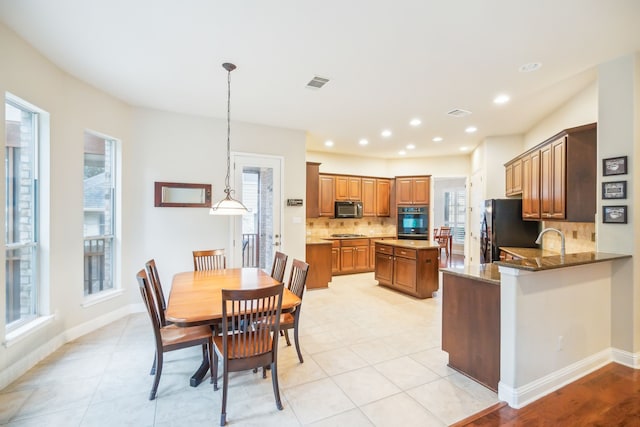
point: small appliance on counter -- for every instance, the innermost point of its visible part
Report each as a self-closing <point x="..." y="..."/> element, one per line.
<point x="348" y="209"/>
<point x="413" y="222"/>
<point x="502" y="225"/>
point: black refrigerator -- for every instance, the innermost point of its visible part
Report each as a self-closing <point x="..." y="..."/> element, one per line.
<point x="502" y="225"/>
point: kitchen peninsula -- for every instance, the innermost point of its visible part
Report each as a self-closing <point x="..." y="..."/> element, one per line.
<point x="556" y="307"/>
<point x="408" y="266"/>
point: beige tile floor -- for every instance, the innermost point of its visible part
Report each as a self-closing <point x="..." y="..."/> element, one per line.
<point x="372" y="358"/>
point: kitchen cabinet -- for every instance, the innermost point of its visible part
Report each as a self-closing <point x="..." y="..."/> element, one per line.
<point x="369" y="197"/>
<point x="383" y="197"/>
<point x="412" y="190"/>
<point x="552" y="180"/>
<point x="531" y="185"/>
<point x="318" y="256"/>
<point x="326" y="199"/>
<point x="335" y="257"/>
<point x="354" y="255"/>
<point x="313" y="188"/>
<point x="348" y="188"/>
<point x="409" y="266"/>
<point x="513" y="178"/>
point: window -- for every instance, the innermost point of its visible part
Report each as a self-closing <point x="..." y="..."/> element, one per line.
<point x="99" y="213"/>
<point x="21" y="213"/>
<point x="455" y="212"/>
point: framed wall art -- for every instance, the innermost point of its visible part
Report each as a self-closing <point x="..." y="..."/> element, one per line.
<point x="614" y="166"/>
<point x="181" y="195"/>
<point x="614" y="190"/>
<point x="614" y="214"/>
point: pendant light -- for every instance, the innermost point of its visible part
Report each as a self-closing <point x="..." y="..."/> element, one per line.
<point x="228" y="205"/>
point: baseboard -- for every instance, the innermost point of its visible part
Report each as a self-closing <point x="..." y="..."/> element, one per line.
<point x="626" y="358"/>
<point x="522" y="396"/>
<point x="30" y="359"/>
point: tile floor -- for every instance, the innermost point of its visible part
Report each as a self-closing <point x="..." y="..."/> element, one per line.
<point x="372" y="358"/>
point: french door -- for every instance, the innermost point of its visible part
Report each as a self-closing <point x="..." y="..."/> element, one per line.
<point x="257" y="235"/>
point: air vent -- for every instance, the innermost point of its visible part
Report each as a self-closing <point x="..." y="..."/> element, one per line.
<point x="457" y="112"/>
<point x="317" y="82"/>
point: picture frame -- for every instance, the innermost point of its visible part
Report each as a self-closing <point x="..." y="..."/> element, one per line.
<point x="614" y="166"/>
<point x="614" y="190"/>
<point x="182" y="195"/>
<point x="614" y="214"/>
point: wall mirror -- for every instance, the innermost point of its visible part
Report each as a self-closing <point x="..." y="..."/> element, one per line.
<point x="181" y="195"/>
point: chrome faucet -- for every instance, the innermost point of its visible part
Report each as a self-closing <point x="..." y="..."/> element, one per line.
<point x="539" y="239"/>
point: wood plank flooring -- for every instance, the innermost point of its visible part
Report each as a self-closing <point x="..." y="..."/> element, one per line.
<point x="609" y="396"/>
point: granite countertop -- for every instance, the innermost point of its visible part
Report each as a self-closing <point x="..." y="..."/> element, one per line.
<point x="528" y="252"/>
<point x="484" y="272"/>
<point x="317" y="241"/>
<point x="558" y="261"/>
<point x="411" y="244"/>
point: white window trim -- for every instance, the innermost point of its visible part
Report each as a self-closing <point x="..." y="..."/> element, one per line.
<point x="20" y="333"/>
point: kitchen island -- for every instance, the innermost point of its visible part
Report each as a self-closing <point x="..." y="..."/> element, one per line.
<point x="408" y="266"/>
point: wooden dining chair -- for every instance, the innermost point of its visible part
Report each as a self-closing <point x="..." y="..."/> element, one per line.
<point x="171" y="337"/>
<point x="213" y="259"/>
<point x="443" y="239"/>
<point x="279" y="265"/>
<point x="297" y="283"/>
<point x="249" y="340"/>
<point x="156" y="286"/>
<point x="435" y="233"/>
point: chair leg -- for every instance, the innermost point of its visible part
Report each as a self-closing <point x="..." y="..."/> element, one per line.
<point x="286" y="336"/>
<point x="153" y="367"/>
<point x="296" y="340"/>
<point x="156" y="380"/>
<point x="214" y="370"/>
<point x="225" y="382"/>
<point x="274" y="381"/>
<point x="210" y="354"/>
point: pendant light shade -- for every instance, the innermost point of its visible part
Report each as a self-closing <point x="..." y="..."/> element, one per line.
<point x="228" y="205"/>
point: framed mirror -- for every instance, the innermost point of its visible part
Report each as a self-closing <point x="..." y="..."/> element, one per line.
<point x="181" y="195"/>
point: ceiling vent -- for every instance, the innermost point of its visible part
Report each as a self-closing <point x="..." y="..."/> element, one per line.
<point x="317" y="82"/>
<point x="457" y="112"/>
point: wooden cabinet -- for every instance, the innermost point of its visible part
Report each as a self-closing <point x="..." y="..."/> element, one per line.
<point x="513" y="177"/>
<point x="383" y="197"/>
<point x="326" y="199"/>
<point x="318" y="256"/>
<point x="531" y="185"/>
<point x="335" y="257"/>
<point x="552" y="179"/>
<point x="348" y="188"/>
<point x="412" y="271"/>
<point x="313" y="188"/>
<point x="412" y="190"/>
<point x="369" y="197"/>
<point x="354" y="255"/>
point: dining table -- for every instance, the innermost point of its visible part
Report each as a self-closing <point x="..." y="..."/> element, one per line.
<point x="196" y="299"/>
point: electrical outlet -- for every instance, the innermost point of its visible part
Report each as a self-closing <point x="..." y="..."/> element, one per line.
<point x="560" y="343"/>
<point x="574" y="233"/>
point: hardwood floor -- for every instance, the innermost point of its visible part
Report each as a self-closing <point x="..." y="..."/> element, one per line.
<point x="609" y="396"/>
<point x="454" y="260"/>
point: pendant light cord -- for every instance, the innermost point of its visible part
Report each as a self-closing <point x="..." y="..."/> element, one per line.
<point x="227" y="189"/>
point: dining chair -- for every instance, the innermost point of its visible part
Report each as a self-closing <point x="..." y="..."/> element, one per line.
<point x="435" y="233"/>
<point x="249" y="340"/>
<point x="297" y="283"/>
<point x="171" y="337"/>
<point x="154" y="278"/>
<point x="279" y="265"/>
<point x="213" y="259"/>
<point x="443" y="239"/>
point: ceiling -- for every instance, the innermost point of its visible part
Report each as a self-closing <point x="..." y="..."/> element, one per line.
<point x="387" y="61"/>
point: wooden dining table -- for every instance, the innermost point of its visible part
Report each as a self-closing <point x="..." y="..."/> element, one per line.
<point x="196" y="298"/>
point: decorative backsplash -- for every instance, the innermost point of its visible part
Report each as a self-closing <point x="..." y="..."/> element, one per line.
<point x="579" y="236"/>
<point x="325" y="227"/>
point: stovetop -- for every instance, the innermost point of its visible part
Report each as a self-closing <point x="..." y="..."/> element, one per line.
<point x="348" y="235"/>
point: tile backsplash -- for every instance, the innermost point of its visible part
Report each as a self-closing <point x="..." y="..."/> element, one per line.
<point x="579" y="236"/>
<point x="325" y="227"/>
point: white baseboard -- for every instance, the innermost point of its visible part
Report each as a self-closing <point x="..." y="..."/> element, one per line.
<point x="30" y="359"/>
<point x="626" y="358"/>
<point x="522" y="396"/>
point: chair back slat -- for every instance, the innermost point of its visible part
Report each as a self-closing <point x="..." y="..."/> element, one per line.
<point x="154" y="278"/>
<point x="250" y="316"/>
<point x="150" y="303"/>
<point x="298" y="277"/>
<point x="213" y="259"/>
<point x="279" y="265"/>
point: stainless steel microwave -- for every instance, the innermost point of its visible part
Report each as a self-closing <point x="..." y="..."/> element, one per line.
<point x="348" y="210"/>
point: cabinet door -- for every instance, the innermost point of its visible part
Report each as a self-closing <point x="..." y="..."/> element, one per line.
<point x="421" y="191"/>
<point x="384" y="268"/>
<point x="517" y="177"/>
<point x="326" y="204"/>
<point x="368" y="197"/>
<point x="508" y="180"/>
<point x="335" y="260"/>
<point x="531" y="186"/>
<point x="558" y="183"/>
<point x="355" y="188"/>
<point x="341" y="188"/>
<point x="313" y="187"/>
<point x="404" y="194"/>
<point x="347" y="259"/>
<point x="383" y="194"/>
<point x="404" y="273"/>
<point x="546" y="182"/>
<point x="361" y="258"/>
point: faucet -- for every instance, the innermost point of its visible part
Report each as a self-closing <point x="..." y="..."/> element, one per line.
<point x="539" y="239"/>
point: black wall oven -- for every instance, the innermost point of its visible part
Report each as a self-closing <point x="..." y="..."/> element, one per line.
<point x="413" y="222"/>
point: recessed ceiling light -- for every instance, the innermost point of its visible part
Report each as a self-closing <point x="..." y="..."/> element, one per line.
<point x="531" y="66"/>
<point x="328" y="143"/>
<point x="501" y="99"/>
<point x="386" y="133"/>
<point x="402" y="152"/>
<point x="415" y="122"/>
<point x="464" y="148"/>
<point x="437" y="139"/>
<point x="410" y="146"/>
<point x="363" y="142"/>
<point x="471" y="129"/>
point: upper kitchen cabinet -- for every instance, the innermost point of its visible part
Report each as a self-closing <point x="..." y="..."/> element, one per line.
<point x="412" y="190"/>
<point x="383" y="197"/>
<point x="326" y="199"/>
<point x="559" y="177"/>
<point x="513" y="177"/>
<point x="313" y="176"/>
<point x="368" y="196"/>
<point x="348" y="188"/>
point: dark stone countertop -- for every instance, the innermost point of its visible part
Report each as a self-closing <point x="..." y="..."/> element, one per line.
<point x="483" y="272"/>
<point x="558" y="261"/>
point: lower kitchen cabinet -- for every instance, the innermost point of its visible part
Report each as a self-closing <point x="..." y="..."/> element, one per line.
<point x="354" y="255"/>
<point x="335" y="257"/>
<point x="318" y="256"/>
<point x="409" y="266"/>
